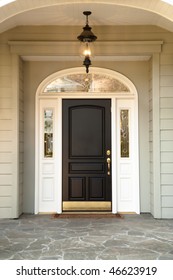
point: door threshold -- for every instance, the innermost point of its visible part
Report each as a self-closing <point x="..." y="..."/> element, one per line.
<point x="87" y="212"/>
<point x="90" y="206"/>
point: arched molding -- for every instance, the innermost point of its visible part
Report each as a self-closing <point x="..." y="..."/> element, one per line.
<point x="159" y="9"/>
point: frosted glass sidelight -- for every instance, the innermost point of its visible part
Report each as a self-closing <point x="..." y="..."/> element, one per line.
<point x="48" y="133"/>
<point x="124" y="133"/>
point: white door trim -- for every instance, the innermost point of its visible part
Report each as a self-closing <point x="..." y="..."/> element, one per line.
<point x="58" y="144"/>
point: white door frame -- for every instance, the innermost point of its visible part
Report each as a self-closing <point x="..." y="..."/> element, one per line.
<point x="58" y="97"/>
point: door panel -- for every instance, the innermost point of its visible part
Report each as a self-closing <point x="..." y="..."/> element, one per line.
<point x="86" y="138"/>
<point x="96" y="188"/>
<point x="77" y="188"/>
<point x="86" y="131"/>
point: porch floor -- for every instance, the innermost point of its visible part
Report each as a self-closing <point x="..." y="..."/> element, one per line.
<point x="42" y="237"/>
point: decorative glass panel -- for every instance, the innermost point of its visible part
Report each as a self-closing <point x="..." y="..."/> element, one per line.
<point x="48" y="133"/>
<point x="124" y="133"/>
<point x="86" y="83"/>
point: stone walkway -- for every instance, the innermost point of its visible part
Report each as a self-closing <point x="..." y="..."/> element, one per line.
<point x="42" y="237"/>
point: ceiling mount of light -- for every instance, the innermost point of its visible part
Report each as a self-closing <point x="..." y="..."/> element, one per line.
<point x="87" y="37"/>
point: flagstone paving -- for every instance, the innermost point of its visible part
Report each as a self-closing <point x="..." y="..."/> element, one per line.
<point x="42" y="237"/>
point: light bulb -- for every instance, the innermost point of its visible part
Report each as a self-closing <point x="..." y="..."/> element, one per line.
<point x="86" y="49"/>
<point x="87" y="52"/>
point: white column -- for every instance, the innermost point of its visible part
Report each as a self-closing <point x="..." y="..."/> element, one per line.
<point x="156" y="135"/>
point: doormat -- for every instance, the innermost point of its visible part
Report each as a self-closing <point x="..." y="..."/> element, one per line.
<point x="83" y="215"/>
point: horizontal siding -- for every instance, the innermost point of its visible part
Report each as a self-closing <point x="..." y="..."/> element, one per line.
<point x="166" y="135"/>
<point x="6" y="125"/>
<point x="6" y="179"/>
<point x="166" y="70"/>
<point x="6" y="168"/>
<point x="5" y="92"/>
<point x="167" y="201"/>
<point x="167" y="157"/>
<point x="167" y="48"/>
<point x="166" y="59"/>
<point x="5" y="81"/>
<point x="166" y="130"/>
<point x="166" y="146"/>
<point x="6" y="134"/>
<point x="5" y="71"/>
<point x="166" y="113"/>
<point x="5" y="114"/>
<point x="167" y="179"/>
<point x="167" y="213"/>
<point x="166" y="92"/>
<point x="5" y="212"/>
<point x="105" y="33"/>
<point x="166" y="81"/>
<point x="166" y="124"/>
<point x="167" y="168"/>
<point x="5" y="103"/>
<point x="46" y="33"/>
<point x="167" y="190"/>
<point x="6" y="157"/>
<point x="166" y="102"/>
<point x="4" y="49"/>
<point x="5" y="146"/>
<point x="5" y="190"/>
<point x="5" y="201"/>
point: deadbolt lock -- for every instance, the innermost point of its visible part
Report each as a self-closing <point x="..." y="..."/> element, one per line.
<point x="108" y="152"/>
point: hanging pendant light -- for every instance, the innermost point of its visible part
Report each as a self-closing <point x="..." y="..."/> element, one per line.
<point x="87" y="37"/>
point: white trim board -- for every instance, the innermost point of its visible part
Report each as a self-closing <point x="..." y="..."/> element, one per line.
<point x="55" y="101"/>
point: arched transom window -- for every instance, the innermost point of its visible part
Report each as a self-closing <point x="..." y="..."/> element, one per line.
<point x="80" y="82"/>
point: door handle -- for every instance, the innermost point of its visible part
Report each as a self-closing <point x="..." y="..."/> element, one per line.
<point x="109" y="166"/>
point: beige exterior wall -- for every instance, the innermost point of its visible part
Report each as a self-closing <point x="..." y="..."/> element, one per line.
<point x="17" y="124"/>
<point x="6" y="133"/>
<point x="166" y="129"/>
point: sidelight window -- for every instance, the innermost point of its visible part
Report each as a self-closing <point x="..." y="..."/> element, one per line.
<point x="48" y="133"/>
<point x="124" y="133"/>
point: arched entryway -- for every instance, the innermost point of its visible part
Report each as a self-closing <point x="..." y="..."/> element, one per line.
<point x="73" y="174"/>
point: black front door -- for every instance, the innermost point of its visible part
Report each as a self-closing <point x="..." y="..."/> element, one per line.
<point x="86" y="154"/>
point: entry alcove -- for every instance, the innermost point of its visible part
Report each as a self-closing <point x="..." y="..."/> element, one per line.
<point x="75" y="84"/>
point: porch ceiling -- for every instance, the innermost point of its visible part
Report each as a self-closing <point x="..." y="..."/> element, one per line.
<point x="69" y="12"/>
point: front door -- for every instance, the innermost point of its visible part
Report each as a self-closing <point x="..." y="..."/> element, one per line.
<point x="86" y="154"/>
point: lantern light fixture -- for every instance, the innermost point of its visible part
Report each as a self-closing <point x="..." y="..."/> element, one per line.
<point x="87" y="37"/>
